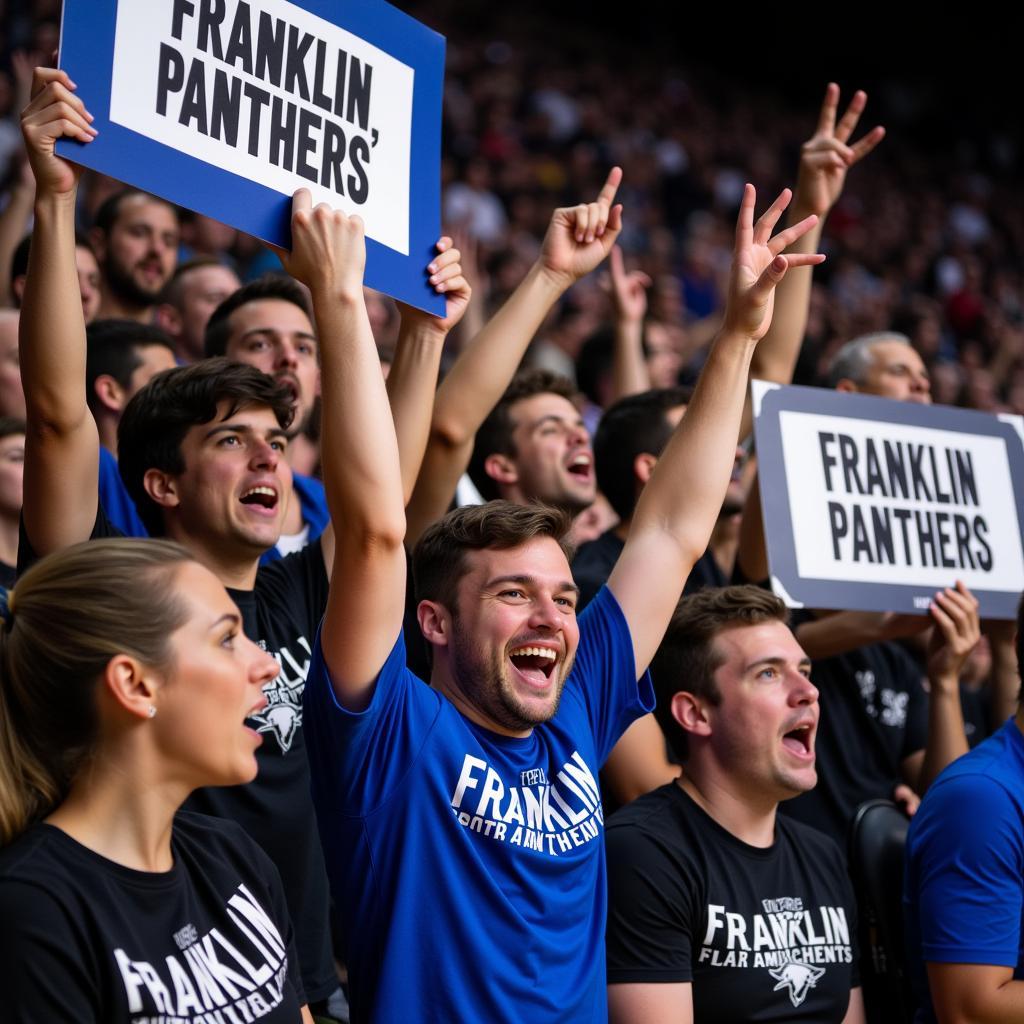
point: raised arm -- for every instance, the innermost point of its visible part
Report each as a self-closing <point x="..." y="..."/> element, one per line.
<point x="825" y="159"/>
<point x="361" y="471"/>
<point x="629" y="298"/>
<point x="577" y="240"/>
<point x="413" y="378"/>
<point x="62" y="443"/>
<point x="679" y="506"/>
<point x="957" y="630"/>
<point x="14" y="222"/>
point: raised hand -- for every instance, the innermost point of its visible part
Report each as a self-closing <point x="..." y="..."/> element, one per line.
<point x="628" y="291"/>
<point x="827" y="155"/>
<point x="446" y="276"/>
<point x="758" y="264"/>
<point x="54" y="112"/>
<point x="580" y="237"/>
<point x="955" y="613"/>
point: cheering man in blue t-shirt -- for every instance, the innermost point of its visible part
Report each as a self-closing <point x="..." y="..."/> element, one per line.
<point x="462" y="821"/>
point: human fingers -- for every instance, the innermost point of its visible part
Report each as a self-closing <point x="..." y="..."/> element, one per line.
<point x="745" y="218"/>
<point x="767" y="221"/>
<point x="616" y="265"/>
<point x="42" y="77"/>
<point x="789" y="235"/>
<point x="56" y="120"/>
<point x="610" y="187"/>
<point x="446" y="259"/>
<point x="847" y="123"/>
<point x="597" y="217"/>
<point x="862" y="147"/>
<point x="454" y="286"/>
<point x="827" y="116"/>
<point x="446" y="274"/>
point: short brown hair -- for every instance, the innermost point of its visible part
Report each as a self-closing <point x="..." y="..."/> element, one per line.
<point x="439" y="560"/>
<point x="495" y="434"/>
<point x="688" y="659"/>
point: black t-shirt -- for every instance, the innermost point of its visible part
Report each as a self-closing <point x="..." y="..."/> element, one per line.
<point x="762" y="934"/>
<point x="874" y="713"/>
<point x="281" y="614"/>
<point x="88" y="941"/>
<point x="595" y="560"/>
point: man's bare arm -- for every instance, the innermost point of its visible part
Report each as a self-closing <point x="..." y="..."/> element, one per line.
<point x="62" y="443"/>
<point x="975" y="994"/>
<point x="671" y="1003"/>
<point x="577" y="240"/>
<point x="680" y="505"/>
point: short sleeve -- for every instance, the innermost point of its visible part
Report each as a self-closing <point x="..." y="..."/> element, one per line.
<point x="967" y="873"/>
<point x="45" y="973"/>
<point x="605" y="672"/>
<point x="357" y="759"/>
<point x="650" y="928"/>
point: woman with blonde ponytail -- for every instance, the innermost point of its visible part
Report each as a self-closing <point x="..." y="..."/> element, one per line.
<point x="125" y="683"/>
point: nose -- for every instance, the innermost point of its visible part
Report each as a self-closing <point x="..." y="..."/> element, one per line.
<point x="287" y="356"/>
<point x="264" y="454"/>
<point x="545" y="614"/>
<point x="802" y="690"/>
<point x="263" y="666"/>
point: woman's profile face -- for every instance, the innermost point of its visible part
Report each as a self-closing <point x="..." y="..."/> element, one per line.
<point x="214" y="683"/>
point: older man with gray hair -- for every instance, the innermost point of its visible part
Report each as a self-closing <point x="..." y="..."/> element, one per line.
<point x="883" y="363"/>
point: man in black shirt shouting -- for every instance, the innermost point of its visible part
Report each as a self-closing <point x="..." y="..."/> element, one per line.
<point x="719" y="910"/>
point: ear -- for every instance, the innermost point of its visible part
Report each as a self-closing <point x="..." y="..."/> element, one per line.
<point x="132" y="686"/>
<point x="99" y="245"/>
<point x="847" y="386"/>
<point x="109" y="392"/>
<point x="688" y="711"/>
<point x="501" y="469"/>
<point x="162" y="488"/>
<point x="643" y="467"/>
<point x="435" y="623"/>
<point x="167" y="317"/>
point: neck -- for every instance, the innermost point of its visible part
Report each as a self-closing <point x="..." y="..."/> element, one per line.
<point x="441" y="680"/>
<point x="112" y="306"/>
<point x="725" y="540"/>
<point x="750" y="819"/>
<point x="108" y="433"/>
<point x="124" y="814"/>
<point x="9" y="539"/>
<point x="234" y="569"/>
<point x="622" y="530"/>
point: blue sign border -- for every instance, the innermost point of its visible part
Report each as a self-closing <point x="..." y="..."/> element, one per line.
<point x="776" y="509"/>
<point x="87" y="48"/>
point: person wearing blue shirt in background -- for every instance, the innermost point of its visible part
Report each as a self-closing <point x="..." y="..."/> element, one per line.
<point x="461" y="822"/>
<point x="964" y="891"/>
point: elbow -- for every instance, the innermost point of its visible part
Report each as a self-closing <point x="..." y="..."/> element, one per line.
<point x="449" y="432"/>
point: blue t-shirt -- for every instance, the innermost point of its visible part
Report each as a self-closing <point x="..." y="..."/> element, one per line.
<point x="468" y="867"/>
<point x="964" y="891"/>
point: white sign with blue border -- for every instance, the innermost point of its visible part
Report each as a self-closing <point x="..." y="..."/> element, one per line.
<point x="875" y="504"/>
<point x="227" y="107"/>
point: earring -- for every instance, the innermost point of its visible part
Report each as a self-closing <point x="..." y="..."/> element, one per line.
<point x="152" y="711"/>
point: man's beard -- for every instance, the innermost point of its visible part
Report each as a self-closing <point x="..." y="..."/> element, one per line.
<point x="126" y="288"/>
<point x="484" y="681"/>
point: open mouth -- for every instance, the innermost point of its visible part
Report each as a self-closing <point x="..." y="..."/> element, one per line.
<point x="535" y="664"/>
<point x="289" y="382"/>
<point x="262" y="497"/>
<point x="581" y="466"/>
<point x="799" y="741"/>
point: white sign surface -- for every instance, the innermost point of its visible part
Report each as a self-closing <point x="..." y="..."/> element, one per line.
<point x="273" y="93"/>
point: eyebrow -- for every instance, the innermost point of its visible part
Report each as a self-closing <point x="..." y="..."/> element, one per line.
<point x="309" y="335"/>
<point x="528" y="581"/>
<point x="240" y="428"/>
<point x="231" y="617"/>
<point x="554" y="418"/>
<point x="777" y="662"/>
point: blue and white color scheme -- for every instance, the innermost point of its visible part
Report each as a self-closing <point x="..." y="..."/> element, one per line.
<point x="228" y="106"/>
<point x="875" y="504"/>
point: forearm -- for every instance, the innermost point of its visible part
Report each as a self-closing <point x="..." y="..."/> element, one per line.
<point x="839" y="633"/>
<point x="685" y="494"/>
<point x="629" y="369"/>
<point x="488" y="363"/>
<point x="52" y="329"/>
<point x="361" y="470"/>
<point x="410" y="387"/>
<point x="946" y="737"/>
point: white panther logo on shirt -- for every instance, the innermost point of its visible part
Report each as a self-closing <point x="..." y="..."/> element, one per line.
<point x="798" y="978"/>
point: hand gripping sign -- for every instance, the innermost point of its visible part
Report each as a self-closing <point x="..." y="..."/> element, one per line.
<point x="875" y="504"/>
<point x="228" y="106"/>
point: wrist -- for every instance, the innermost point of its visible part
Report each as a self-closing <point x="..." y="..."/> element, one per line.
<point x="552" y="281"/>
<point x="944" y="684"/>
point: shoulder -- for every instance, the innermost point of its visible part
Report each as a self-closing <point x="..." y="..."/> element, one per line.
<point x="656" y="825"/>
